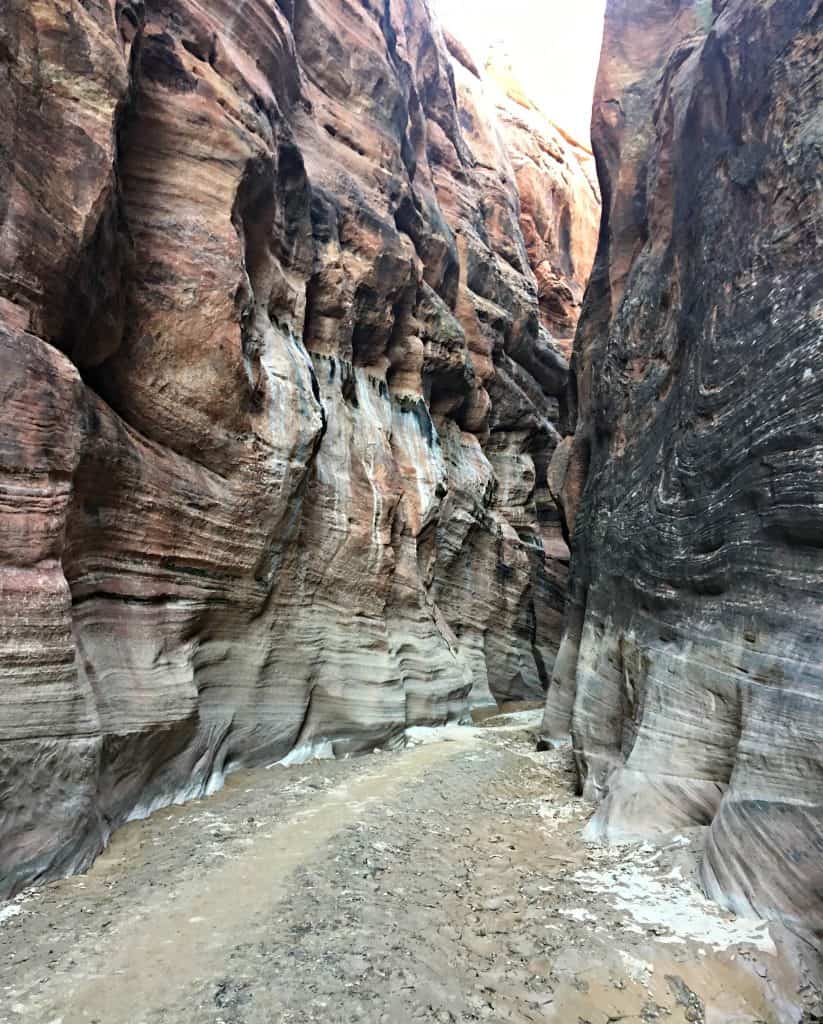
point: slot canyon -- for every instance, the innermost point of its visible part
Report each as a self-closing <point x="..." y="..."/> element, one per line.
<point x="411" y="511"/>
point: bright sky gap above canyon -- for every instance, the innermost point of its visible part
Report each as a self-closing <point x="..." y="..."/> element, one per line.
<point x="554" y="48"/>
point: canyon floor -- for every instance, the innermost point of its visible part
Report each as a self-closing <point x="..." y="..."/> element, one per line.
<point x="449" y="882"/>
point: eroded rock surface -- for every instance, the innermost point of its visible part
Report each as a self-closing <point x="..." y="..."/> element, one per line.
<point x="691" y="672"/>
<point x="278" y="404"/>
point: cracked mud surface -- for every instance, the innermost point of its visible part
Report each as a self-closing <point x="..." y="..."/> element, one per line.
<point x="449" y="882"/>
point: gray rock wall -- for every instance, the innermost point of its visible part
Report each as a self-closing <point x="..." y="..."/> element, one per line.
<point x="691" y="671"/>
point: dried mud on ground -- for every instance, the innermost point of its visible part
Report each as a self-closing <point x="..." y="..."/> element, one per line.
<point x="449" y="883"/>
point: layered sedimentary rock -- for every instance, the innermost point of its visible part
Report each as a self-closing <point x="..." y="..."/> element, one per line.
<point x="277" y="405"/>
<point x="691" y="671"/>
<point x="559" y="206"/>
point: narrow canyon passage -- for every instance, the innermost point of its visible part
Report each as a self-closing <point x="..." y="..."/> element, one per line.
<point x="372" y="416"/>
<point x="449" y="882"/>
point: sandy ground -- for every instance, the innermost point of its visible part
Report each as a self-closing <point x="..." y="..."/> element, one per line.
<point x="449" y="883"/>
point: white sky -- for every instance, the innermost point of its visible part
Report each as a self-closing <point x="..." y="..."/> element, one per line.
<point x="554" y="46"/>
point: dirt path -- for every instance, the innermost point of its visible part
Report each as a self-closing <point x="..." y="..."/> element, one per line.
<point x="446" y="883"/>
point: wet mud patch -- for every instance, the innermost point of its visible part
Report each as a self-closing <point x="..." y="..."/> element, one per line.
<point x="449" y="882"/>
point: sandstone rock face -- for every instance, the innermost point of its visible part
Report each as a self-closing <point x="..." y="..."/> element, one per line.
<point x="278" y="405"/>
<point x="691" y="671"/>
<point x="559" y="205"/>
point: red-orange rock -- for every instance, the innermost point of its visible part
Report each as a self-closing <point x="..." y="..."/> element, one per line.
<point x="559" y="202"/>
<point x="278" y="404"/>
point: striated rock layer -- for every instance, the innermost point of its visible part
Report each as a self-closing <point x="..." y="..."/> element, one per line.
<point x="691" y="671"/>
<point x="277" y="402"/>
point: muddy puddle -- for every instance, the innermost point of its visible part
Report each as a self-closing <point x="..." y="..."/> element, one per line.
<point x="449" y="882"/>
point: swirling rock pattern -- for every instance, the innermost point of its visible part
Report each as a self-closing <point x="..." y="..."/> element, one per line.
<point x="277" y="408"/>
<point x="691" y="671"/>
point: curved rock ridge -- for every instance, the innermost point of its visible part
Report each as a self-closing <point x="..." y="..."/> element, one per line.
<point x="691" y="671"/>
<point x="278" y="404"/>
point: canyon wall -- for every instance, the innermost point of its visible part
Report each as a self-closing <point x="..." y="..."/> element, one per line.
<point x="277" y="402"/>
<point x="691" y="671"/>
<point x="558" y="218"/>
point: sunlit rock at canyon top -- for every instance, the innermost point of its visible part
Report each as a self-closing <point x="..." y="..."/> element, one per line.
<point x="285" y="291"/>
